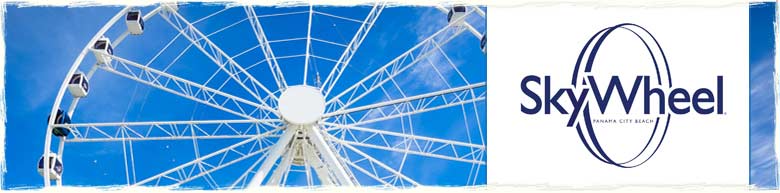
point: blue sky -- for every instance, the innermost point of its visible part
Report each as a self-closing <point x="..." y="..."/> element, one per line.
<point x="763" y="165"/>
<point x="42" y="43"/>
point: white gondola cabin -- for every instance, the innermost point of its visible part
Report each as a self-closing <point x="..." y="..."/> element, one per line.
<point x="78" y="85"/>
<point x="62" y="118"/>
<point x="135" y="22"/>
<point x="55" y="166"/>
<point x="456" y="12"/>
<point x="102" y="49"/>
<point x="483" y="44"/>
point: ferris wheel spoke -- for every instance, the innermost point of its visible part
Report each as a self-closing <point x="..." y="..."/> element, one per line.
<point x="400" y="64"/>
<point x="338" y="17"/>
<point x="329" y="158"/>
<point x="314" y="162"/>
<point x="166" y="130"/>
<point x="244" y="177"/>
<point x="273" y="155"/>
<point x="372" y="175"/>
<point x="187" y="89"/>
<point x="447" y="96"/>
<point x="212" y="168"/>
<point x="411" y="144"/>
<point x="213" y="52"/>
<point x="338" y="118"/>
<point x="352" y="48"/>
<point x="415" y="104"/>
<point x="211" y="15"/>
<point x="374" y="162"/>
<point x="191" y="44"/>
<point x="342" y="118"/>
<point x="283" y="167"/>
<point x="190" y="170"/>
<point x="479" y="11"/>
<point x="346" y="118"/>
<point x="265" y="46"/>
<point x="407" y="109"/>
<point x="308" y="46"/>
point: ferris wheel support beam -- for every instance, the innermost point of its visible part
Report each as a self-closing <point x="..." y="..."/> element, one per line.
<point x="188" y="89"/>
<point x="352" y="48"/>
<point x="167" y="130"/>
<point x="400" y="63"/>
<point x="64" y="86"/>
<point x="198" y="162"/>
<point x="273" y="155"/>
<point x="308" y="170"/>
<point x="319" y="168"/>
<point x="374" y="161"/>
<point x="213" y="52"/>
<point x="329" y="157"/>
<point x="411" y="144"/>
<point x="265" y="46"/>
<point x="284" y="166"/>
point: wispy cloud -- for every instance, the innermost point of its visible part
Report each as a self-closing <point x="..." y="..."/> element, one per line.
<point x="763" y="164"/>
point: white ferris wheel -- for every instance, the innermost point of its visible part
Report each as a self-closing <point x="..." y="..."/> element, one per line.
<point x="261" y="120"/>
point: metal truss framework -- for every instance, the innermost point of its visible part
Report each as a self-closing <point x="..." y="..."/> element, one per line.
<point x="329" y="152"/>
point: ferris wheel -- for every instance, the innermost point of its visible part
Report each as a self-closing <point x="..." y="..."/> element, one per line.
<point x="261" y="115"/>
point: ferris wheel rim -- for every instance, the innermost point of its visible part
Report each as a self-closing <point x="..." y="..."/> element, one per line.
<point x="64" y="85"/>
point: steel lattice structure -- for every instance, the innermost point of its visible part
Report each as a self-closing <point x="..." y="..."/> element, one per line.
<point x="323" y="131"/>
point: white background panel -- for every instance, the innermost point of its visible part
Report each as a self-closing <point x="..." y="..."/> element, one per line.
<point x="700" y="44"/>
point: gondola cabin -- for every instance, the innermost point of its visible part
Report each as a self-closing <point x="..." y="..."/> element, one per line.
<point x="135" y="22"/>
<point x="456" y="12"/>
<point x="55" y="166"/>
<point x="102" y="49"/>
<point x="78" y="85"/>
<point x="483" y="44"/>
<point x="62" y="118"/>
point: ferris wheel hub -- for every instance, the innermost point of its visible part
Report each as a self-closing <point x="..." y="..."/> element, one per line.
<point x="301" y="105"/>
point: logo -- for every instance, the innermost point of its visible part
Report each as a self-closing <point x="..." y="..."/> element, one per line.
<point x="647" y="101"/>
